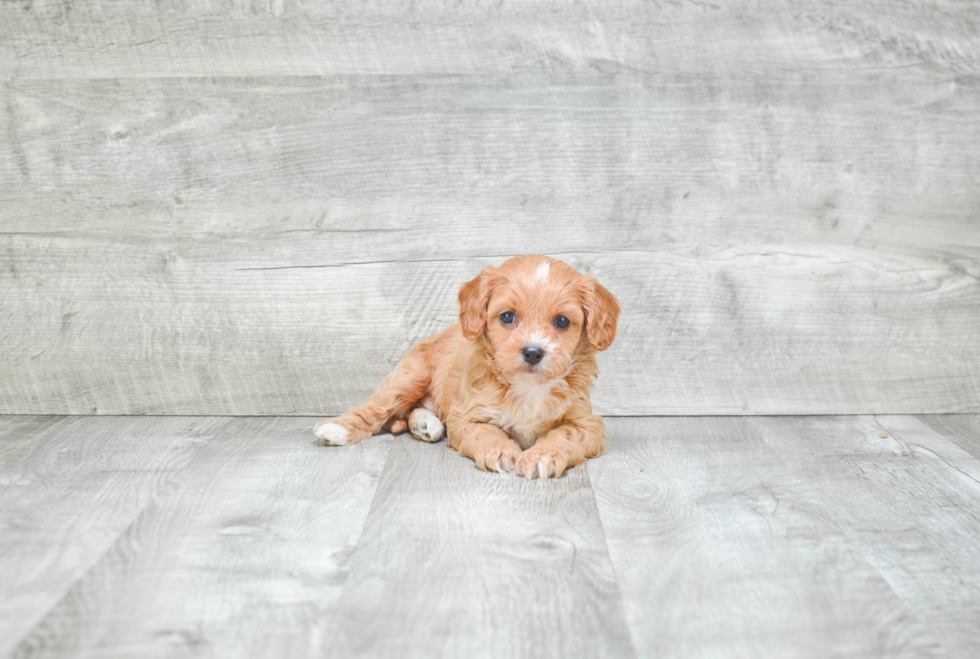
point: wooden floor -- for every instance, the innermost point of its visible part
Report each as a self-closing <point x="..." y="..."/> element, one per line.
<point x="817" y="536"/>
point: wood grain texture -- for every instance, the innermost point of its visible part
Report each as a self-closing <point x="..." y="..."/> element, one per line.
<point x="961" y="429"/>
<point x="243" y="557"/>
<point x="908" y="500"/>
<point x="455" y="562"/>
<point x="283" y="37"/>
<point x="722" y="549"/>
<point x="14" y="429"/>
<point x="70" y="488"/>
<point x="692" y="537"/>
<point x="803" y="243"/>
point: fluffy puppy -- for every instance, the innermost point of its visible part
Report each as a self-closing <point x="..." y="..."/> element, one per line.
<point x="509" y="384"/>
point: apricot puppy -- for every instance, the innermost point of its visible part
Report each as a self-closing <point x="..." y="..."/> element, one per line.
<point x="509" y="384"/>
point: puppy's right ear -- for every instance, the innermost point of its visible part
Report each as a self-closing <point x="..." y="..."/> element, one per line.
<point x="474" y="296"/>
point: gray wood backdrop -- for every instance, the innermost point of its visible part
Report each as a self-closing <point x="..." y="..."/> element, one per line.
<point x="257" y="207"/>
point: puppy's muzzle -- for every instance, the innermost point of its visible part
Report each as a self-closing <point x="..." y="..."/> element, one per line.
<point x="532" y="354"/>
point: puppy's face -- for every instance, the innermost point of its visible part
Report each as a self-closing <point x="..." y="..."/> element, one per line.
<point x="538" y="314"/>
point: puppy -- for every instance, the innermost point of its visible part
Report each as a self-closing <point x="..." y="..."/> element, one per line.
<point x="509" y="384"/>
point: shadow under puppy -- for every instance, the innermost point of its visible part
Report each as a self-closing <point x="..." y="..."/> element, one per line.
<point x="509" y="384"/>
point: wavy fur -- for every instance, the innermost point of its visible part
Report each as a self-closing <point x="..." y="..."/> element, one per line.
<point x="497" y="408"/>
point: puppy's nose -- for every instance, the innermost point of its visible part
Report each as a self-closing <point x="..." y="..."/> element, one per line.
<point x="532" y="354"/>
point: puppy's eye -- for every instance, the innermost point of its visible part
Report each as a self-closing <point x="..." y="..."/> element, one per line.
<point x="507" y="318"/>
<point x="561" y="322"/>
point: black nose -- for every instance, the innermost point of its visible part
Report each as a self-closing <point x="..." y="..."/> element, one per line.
<point x="532" y="354"/>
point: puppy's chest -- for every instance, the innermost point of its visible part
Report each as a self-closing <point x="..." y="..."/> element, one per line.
<point x="529" y="410"/>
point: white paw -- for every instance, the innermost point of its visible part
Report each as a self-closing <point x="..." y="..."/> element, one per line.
<point x="534" y="463"/>
<point x="425" y="425"/>
<point x="503" y="467"/>
<point x="546" y="470"/>
<point x="331" y="434"/>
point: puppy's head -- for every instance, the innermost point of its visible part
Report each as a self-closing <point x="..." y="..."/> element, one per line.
<point x="538" y="314"/>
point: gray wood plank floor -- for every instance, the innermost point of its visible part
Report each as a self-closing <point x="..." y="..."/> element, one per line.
<point x="692" y="537"/>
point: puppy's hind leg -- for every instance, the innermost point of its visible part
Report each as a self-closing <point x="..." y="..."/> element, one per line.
<point x="395" y="396"/>
<point x="396" y="426"/>
<point x="425" y="425"/>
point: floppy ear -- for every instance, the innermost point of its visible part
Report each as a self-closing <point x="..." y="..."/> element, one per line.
<point x="601" y="315"/>
<point x="473" y="299"/>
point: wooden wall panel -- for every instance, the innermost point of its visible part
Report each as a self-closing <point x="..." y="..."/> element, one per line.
<point x="178" y="38"/>
<point x="734" y="331"/>
<point x="187" y="225"/>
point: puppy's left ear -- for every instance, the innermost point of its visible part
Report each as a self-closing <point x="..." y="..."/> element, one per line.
<point x="601" y="315"/>
<point x="474" y="296"/>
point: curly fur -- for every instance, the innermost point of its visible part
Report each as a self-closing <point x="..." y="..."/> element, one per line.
<point x="498" y="409"/>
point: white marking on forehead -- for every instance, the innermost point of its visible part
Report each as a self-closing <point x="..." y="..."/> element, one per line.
<point x="543" y="270"/>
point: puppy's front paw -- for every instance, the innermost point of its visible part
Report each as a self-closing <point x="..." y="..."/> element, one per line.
<point x="332" y="434"/>
<point x="497" y="456"/>
<point x="338" y="433"/>
<point x="425" y="425"/>
<point x="542" y="462"/>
